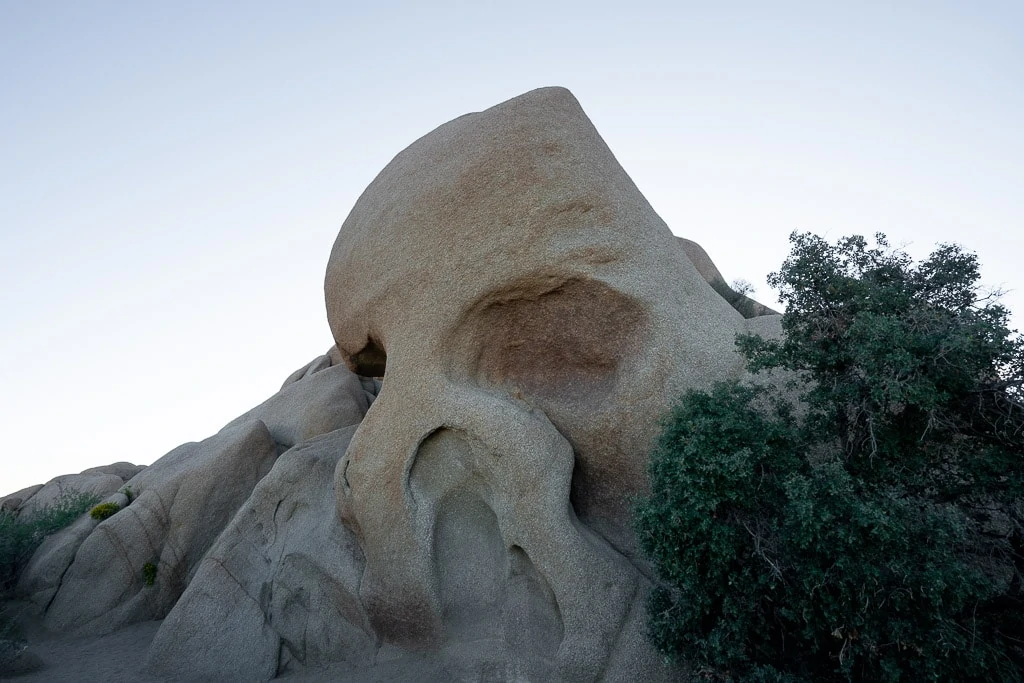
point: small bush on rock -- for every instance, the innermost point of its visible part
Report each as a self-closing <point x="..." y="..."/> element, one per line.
<point x="104" y="510"/>
<point x="873" y="530"/>
<point x="149" y="573"/>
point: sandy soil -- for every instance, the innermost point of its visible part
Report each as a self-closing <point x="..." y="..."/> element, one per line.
<point x="115" y="658"/>
<point x="118" y="658"/>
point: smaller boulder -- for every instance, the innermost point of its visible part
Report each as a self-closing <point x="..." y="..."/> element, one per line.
<point x="319" y="403"/>
<point x="58" y="489"/>
<point x="125" y="470"/>
<point x="316" y="365"/>
<point x="11" y="502"/>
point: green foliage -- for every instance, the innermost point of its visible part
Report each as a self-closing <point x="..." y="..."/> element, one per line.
<point x="149" y="573"/>
<point x="873" y="531"/>
<point x="128" y="493"/>
<point x="104" y="510"/>
<point x="20" y="535"/>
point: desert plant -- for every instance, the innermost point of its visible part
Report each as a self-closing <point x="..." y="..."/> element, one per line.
<point x="21" y="534"/>
<point x="742" y="287"/>
<point x="872" y="530"/>
<point x="149" y="573"/>
<point x="104" y="510"/>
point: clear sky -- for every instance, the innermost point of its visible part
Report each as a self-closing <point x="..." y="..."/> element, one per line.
<point x="173" y="175"/>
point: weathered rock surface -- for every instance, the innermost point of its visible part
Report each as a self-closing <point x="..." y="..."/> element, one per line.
<point x="182" y="503"/>
<point x="534" y="316"/>
<point x="522" y="258"/>
<point x="279" y="588"/>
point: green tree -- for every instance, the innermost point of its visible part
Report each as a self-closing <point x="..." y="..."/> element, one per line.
<point x="871" y="527"/>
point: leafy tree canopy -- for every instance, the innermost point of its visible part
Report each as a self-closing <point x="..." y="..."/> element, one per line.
<point x="866" y="524"/>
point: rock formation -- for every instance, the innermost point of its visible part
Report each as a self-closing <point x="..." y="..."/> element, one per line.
<point x="531" y="317"/>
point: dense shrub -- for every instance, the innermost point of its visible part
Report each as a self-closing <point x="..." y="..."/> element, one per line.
<point x="20" y="535"/>
<point x="871" y="529"/>
<point x="104" y="511"/>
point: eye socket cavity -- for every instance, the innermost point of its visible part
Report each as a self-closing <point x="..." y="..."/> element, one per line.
<point x="555" y="338"/>
<point x="369" y="361"/>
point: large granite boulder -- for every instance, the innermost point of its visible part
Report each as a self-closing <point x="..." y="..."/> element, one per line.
<point x="534" y="319"/>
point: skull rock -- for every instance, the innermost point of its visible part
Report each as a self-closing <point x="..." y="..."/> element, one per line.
<point x="532" y="317"/>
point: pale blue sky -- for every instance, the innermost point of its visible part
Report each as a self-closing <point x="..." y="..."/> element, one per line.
<point x="174" y="174"/>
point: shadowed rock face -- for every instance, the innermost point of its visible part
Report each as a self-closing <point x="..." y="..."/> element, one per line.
<point x="533" y="316"/>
